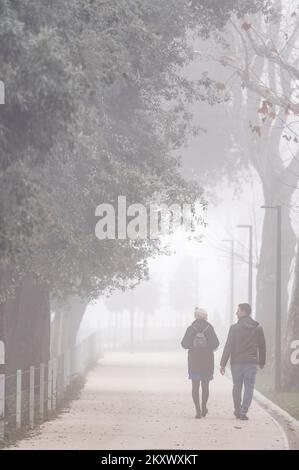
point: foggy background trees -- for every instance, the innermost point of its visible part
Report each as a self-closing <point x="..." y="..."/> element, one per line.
<point x="256" y="61"/>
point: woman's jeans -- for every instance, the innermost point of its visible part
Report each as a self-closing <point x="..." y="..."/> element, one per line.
<point x="243" y="374"/>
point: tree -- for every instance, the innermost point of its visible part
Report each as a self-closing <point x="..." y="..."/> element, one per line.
<point x="65" y="144"/>
<point x="290" y="369"/>
<point x="256" y="66"/>
<point x="116" y="304"/>
<point x="147" y="300"/>
<point x="36" y="112"/>
<point x="141" y="301"/>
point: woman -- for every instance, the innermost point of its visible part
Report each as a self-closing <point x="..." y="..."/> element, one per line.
<point x="201" y="341"/>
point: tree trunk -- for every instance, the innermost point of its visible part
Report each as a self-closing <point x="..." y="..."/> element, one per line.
<point x="290" y="367"/>
<point x="144" y="327"/>
<point x="266" y="273"/>
<point x="132" y="322"/>
<point x="116" y="328"/>
<point x="26" y="326"/>
<point x="57" y="331"/>
<point x="68" y="317"/>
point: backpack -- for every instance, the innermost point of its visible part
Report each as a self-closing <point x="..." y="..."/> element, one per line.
<point x="200" y="340"/>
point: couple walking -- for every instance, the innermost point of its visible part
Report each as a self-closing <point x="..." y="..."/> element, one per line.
<point x="245" y="347"/>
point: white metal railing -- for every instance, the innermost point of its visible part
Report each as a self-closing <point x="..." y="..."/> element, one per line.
<point x="29" y="396"/>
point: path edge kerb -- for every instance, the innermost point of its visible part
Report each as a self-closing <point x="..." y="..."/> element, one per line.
<point x="288" y="420"/>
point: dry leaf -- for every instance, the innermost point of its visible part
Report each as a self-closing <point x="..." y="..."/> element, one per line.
<point x="246" y="26"/>
<point x="220" y="86"/>
<point x="258" y="130"/>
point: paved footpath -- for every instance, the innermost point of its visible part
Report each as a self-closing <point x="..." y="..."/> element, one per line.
<point x="143" y="401"/>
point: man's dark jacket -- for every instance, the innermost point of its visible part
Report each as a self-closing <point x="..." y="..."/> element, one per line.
<point x="200" y="360"/>
<point x="245" y="343"/>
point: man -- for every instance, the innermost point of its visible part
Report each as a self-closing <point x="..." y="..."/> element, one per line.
<point x="246" y="348"/>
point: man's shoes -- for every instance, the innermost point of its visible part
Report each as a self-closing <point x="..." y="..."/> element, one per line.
<point x="243" y="418"/>
<point x="237" y="414"/>
<point x="204" y="412"/>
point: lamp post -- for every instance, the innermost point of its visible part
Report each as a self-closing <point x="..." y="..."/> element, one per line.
<point x="232" y="277"/>
<point x="250" y="261"/>
<point x="278" y="298"/>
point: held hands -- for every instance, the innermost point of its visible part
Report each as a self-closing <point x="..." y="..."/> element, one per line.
<point x="222" y="370"/>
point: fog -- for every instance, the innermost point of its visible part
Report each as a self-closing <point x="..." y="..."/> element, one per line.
<point x="203" y="271"/>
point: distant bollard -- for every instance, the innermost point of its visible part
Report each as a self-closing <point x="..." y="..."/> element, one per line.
<point x="49" y="407"/>
<point x="2" y="92"/>
<point x="2" y="390"/>
<point x="19" y="400"/>
<point x="41" y="391"/>
<point x="60" y="379"/>
<point x="76" y="359"/>
<point x="85" y="355"/>
<point x="66" y="368"/>
<point x="31" y="397"/>
<point x="94" y="355"/>
<point x="81" y="357"/>
<point x="69" y="366"/>
<point x="54" y="384"/>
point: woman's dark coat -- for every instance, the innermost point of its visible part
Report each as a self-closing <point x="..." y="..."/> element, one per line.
<point x="200" y="360"/>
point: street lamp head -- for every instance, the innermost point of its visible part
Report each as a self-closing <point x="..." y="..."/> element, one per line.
<point x="270" y="207"/>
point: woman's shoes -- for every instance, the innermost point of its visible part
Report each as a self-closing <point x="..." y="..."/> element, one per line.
<point x="201" y="414"/>
<point x="243" y="417"/>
